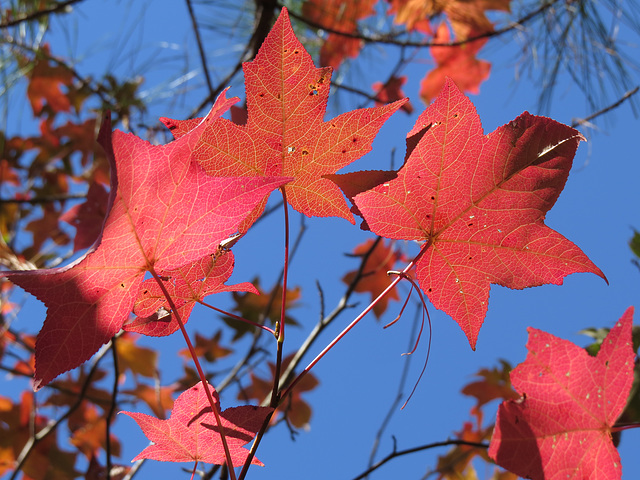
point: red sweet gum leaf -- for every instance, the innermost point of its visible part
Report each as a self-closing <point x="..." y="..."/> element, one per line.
<point x="187" y="285"/>
<point x="45" y="82"/>
<point x="164" y="212"/>
<point x="209" y="348"/>
<point x="139" y="360"/>
<point x="465" y="16"/>
<point x="561" y="426"/>
<point x="88" y="217"/>
<point x="158" y="399"/>
<point x="391" y="91"/>
<point x="479" y="202"/>
<point x="297" y="411"/>
<point x="341" y="16"/>
<point x="374" y="275"/>
<point x="458" y="63"/>
<point x="285" y="133"/>
<point x="191" y="434"/>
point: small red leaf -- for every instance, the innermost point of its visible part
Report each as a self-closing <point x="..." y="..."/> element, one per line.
<point x="561" y="426"/>
<point x="191" y="433"/>
<point x="186" y="285"/>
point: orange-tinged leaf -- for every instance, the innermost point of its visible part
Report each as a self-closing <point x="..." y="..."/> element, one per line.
<point x="209" y="348"/>
<point x="139" y="360"/>
<point x="458" y="63"/>
<point x="495" y="384"/>
<point x="286" y="133"/>
<point x="570" y="401"/>
<point x="88" y="432"/>
<point x="297" y="411"/>
<point x="465" y="16"/>
<point x="374" y="278"/>
<point x="341" y="16"/>
<point x="159" y="399"/>
<point x="391" y="91"/>
<point x="46" y="82"/>
<point x="255" y="307"/>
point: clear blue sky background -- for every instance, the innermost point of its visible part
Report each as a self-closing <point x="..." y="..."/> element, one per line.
<point x="359" y="377"/>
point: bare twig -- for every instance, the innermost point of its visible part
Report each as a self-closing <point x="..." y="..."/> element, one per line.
<point x="391" y="38"/>
<point x="398" y="453"/>
<point x="47" y="199"/>
<point x="55" y="8"/>
<point x="203" y="57"/>
<point x="399" y="394"/>
<point x="620" y="101"/>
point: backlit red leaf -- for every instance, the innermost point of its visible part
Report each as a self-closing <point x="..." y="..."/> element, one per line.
<point x="374" y="278"/>
<point x="186" y="286"/>
<point x="458" y="63"/>
<point x="164" y="212"/>
<point x="561" y="426"/>
<point x="479" y="203"/>
<point x="192" y="434"/>
<point x="285" y="132"/>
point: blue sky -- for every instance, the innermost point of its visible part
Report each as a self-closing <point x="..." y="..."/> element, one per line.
<point x="359" y="378"/>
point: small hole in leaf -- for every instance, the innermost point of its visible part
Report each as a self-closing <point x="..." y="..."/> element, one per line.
<point x="430" y="290"/>
<point x="278" y="96"/>
<point x="469" y="225"/>
<point x="261" y="94"/>
<point x="304" y="152"/>
<point x="455" y="115"/>
<point x="296" y="52"/>
<point x="344" y="150"/>
<point x="354" y="139"/>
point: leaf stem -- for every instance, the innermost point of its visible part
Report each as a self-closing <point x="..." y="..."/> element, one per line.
<point x="236" y="317"/>
<point x="203" y="379"/>
<point x="275" y="396"/>
<point x="400" y="276"/>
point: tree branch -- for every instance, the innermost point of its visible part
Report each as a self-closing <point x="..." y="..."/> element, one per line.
<point x="391" y="38"/>
<point x="399" y="453"/>
<point x="38" y="13"/>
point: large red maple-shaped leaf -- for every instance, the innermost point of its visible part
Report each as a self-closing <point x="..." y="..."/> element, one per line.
<point x="285" y="133"/>
<point x="164" y="212"/>
<point x="479" y="203"/>
<point x="192" y="434"/>
<point x="561" y="426"/>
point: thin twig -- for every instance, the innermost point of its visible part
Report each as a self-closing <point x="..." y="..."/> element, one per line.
<point x="47" y="199"/>
<point x="203" y="57"/>
<point x="55" y="8"/>
<point x="399" y="393"/>
<point x="390" y="39"/>
<point x="620" y="101"/>
<point x="398" y="453"/>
